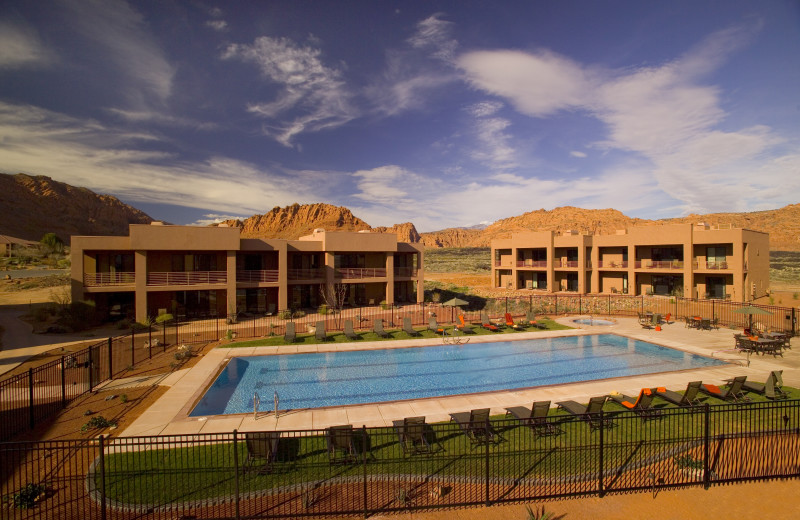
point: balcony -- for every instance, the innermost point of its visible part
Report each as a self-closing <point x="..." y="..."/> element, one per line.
<point x="257" y="276"/>
<point x="711" y="265"/>
<point x="187" y="278"/>
<point x="531" y="263"/>
<point x="406" y="271"/>
<point x="618" y="264"/>
<point x="658" y="264"/>
<point x="360" y="272"/>
<point x="305" y="274"/>
<point x="108" y="279"/>
<point x="568" y="263"/>
<point x="503" y="263"/>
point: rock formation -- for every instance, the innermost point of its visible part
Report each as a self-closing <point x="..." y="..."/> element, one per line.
<point x="297" y="220"/>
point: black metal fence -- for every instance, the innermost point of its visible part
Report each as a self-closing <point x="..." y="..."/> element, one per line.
<point x="218" y="476"/>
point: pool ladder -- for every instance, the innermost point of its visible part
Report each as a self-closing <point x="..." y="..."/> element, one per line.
<point x="257" y="403"/>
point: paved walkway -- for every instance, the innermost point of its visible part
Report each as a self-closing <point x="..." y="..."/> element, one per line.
<point x="170" y="414"/>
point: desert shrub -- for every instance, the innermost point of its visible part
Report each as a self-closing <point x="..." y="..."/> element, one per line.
<point x="41" y="314"/>
<point x="78" y="316"/>
<point x="323" y="309"/>
<point x="164" y="318"/>
<point x="27" y="497"/>
<point x="97" y="421"/>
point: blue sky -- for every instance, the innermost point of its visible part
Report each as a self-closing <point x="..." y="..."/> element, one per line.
<point x="441" y="113"/>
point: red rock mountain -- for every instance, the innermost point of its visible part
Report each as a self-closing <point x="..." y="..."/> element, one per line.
<point x="32" y="206"/>
<point x="295" y="221"/>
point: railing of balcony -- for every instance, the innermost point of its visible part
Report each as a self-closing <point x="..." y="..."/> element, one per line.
<point x="187" y="278"/>
<point x="613" y="264"/>
<point x="658" y="264"/>
<point x="361" y="272"/>
<point x="569" y="263"/>
<point x="711" y="265"/>
<point x="531" y="263"/>
<point x="405" y="271"/>
<point x="305" y="274"/>
<point x="270" y="275"/>
<point x="101" y="279"/>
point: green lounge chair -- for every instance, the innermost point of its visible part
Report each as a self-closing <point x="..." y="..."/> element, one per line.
<point x="731" y="391"/>
<point x="415" y="436"/>
<point x="341" y="444"/>
<point x="320" y="333"/>
<point x="488" y="325"/>
<point x="290" y="335"/>
<point x="641" y="404"/>
<point x="348" y="330"/>
<point x="535" y="417"/>
<point x="262" y="446"/>
<point x="408" y="328"/>
<point x="475" y="424"/>
<point x="377" y="327"/>
<point x="771" y="389"/>
<point x="589" y="413"/>
<point x="434" y="326"/>
<point x="688" y="398"/>
<point x="530" y="317"/>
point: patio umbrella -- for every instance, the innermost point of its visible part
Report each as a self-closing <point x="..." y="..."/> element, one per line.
<point x="455" y="302"/>
<point x="750" y="310"/>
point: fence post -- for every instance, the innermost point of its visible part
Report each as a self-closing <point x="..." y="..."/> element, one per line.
<point x="487" y="425"/>
<point x="580" y="305"/>
<point x="713" y="312"/>
<point x="706" y="446"/>
<point x="63" y="383"/>
<point x="133" y="349"/>
<point x="601" y="462"/>
<point x="364" y="466"/>
<point x="506" y="304"/>
<point x="150" y="334"/>
<point x="216" y="322"/>
<point x="236" y="474"/>
<point x="110" y="358"/>
<point x="90" y="368"/>
<point x="164" y="333"/>
<point x="176" y="330"/>
<point x="30" y="399"/>
<point x="555" y="300"/>
<point x="101" y="440"/>
<point x="609" y="305"/>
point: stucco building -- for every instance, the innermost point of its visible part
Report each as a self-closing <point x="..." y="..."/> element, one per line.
<point x="198" y="271"/>
<point x="695" y="261"/>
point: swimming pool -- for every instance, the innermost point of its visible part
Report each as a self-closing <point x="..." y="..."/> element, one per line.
<point x="371" y="376"/>
<point x="593" y="321"/>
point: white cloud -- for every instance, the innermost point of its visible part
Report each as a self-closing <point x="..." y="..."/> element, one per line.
<point x="312" y="96"/>
<point x="484" y="108"/>
<point x="218" y="25"/>
<point x="214" y="218"/>
<point x="494" y="149"/>
<point x="433" y="35"/>
<point x="161" y="118"/>
<point x="578" y="153"/>
<point x="20" y="47"/>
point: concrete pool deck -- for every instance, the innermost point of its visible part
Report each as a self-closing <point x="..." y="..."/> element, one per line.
<point x="169" y="415"/>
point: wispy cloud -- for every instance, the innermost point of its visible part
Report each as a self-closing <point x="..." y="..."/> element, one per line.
<point x="218" y="25"/>
<point x="433" y="35"/>
<point x="312" y="96"/>
<point x="20" y="46"/>
<point x="214" y="218"/>
<point x="578" y="154"/>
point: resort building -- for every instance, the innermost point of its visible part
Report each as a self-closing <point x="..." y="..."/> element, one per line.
<point x="695" y="261"/>
<point x="193" y="271"/>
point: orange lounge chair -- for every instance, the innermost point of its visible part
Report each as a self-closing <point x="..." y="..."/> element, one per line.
<point x="486" y="324"/>
<point x="462" y="326"/>
<point x="510" y="323"/>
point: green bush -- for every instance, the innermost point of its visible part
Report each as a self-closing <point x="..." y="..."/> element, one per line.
<point x="97" y="421"/>
<point x="164" y="318"/>
<point x="323" y="309"/>
<point x="27" y="497"/>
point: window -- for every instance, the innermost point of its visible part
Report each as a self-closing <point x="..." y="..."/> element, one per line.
<point x="716" y="254"/>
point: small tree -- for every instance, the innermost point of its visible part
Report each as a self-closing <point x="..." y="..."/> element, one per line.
<point x="50" y="244"/>
<point x="334" y="296"/>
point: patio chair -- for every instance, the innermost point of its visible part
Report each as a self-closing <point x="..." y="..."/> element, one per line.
<point x="589" y="413"/>
<point x="408" y="328"/>
<point x="530" y="317"/>
<point x="262" y="446"/>
<point x="415" y="435"/>
<point x="641" y="404"/>
<point x="688" y="398"/>
<point x="377" y="327"/>
<point x="732" y="391"/>
<point x="535" y="418"/>
<point x="464" y="326"/>
<point x="486" y="324"/>
<point x="645" y="321"/>
<point x="290" y="335"/>
<point x="510" y="322"/>
<point x="434" y="326"/>
<point x="475" y="424"/>
<point x="320" y="333"/>
<point x="341" y="444"/>
<point x="348" y="330"/>
<point x="770" y="389"/>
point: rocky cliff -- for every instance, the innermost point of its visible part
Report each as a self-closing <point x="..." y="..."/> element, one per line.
<point x="297" y="220"/>
<point x="406" y="232"/>
<point x="32" y="206"/>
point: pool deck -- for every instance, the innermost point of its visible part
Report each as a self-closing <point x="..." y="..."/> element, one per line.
<point x="169" y="415"/>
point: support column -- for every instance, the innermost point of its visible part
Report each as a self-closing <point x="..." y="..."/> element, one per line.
<point x="632" y="282"/>
<point x="595" y="259"/>
<point x="551" y="265"/>
<point x="582" y="271"/>
<point x="421" y="276"/>
<point x="740" y="289"/>
<point x="283" y="278"/>
<point x="390" y="278"/>
<point x="140" y="285"/>
<point x="230" y="285"/>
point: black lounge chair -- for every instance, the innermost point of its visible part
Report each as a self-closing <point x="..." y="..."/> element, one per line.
<point x="535" y="418"/>
<point x="642" y="404"/>
<point x="463" y="326"/>
<point x="688" y="398"/>
<point x="434" y="326"/>
<point x="415" y="435"/>
<point x="262" y="446"/>
<point x="348" y="330"/>
<point x="319" y="332"/>
<point x="732" y="391"/>
<point x="488" y="325"/>
<point x="377" y="327"/>
<point x="341" y="444"/>
<point x="408" y="328"/>
<point x="589" y="413"/>
<point x="290" y="335"/>
<point x="475" y="424"/>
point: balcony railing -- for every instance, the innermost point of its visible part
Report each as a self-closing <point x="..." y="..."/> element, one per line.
<point x="361" y="272"/>
<point x="305" y="274"/>
<point x="405" y="271"/>
<point x="502" y="263"/>
<point x="103" y="279"/>
<point x="711" y="265"/>
<point x="531" y="263"/>
<point x="569" y="263"/>
<point x="187" y="278"/>
<point x="621" y="264"/>
<point x="658" y="264"/>
<point x="270" y="275"/>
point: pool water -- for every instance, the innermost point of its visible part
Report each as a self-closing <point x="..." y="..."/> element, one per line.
<point x="371" y="376"/>
<point x="593" y="321"/>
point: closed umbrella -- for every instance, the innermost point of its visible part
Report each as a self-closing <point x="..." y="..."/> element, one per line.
<point x="750" y="310"/>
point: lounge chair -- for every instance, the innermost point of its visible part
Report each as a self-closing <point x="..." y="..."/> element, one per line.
<point x="510" y="322"/>
<point x="535" y="417"/>
<point x="341" y="445"/>
<point x="476" y="425"/>
<point x="320" y="333"/>
<point x="486" y="324"/>
<point x="641" y="404"/>
<point x="408" y="328"/>
<point x="589" y="413"/>
<point x="464" y="326"/>
<point x="732" y="390"/>
<point x="771" y="389"/>
<point x="262" y="446"/>
<point x="348" y="330"/>
<point x="688" y="398"/>
<point x="530" y="318"/>
<point x="434" y="326"/>
<point x="415" y="435"/>
<point x="377" y="327"/>
<point x="290" y="335"/>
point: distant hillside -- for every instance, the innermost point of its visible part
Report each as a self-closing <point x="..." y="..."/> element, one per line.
<point x="297" y="220"/>
<point x="33" y="206"/>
